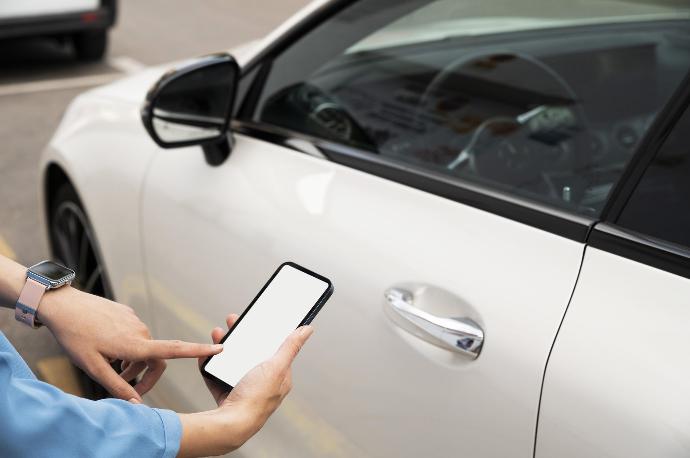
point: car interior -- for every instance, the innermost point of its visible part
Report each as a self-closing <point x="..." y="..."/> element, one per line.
<point x="546" y="114"/>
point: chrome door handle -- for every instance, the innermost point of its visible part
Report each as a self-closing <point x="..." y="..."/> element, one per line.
<point x="461" y="335"/>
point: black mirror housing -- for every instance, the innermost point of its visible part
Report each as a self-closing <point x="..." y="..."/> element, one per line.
<point x="192" y="105"/>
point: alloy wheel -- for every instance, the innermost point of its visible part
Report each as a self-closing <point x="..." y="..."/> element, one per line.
<point x="73" y="246"/>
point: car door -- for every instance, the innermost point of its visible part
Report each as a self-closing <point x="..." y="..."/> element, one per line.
<point x="436" y="180"/>
<point x="617" y="381"/>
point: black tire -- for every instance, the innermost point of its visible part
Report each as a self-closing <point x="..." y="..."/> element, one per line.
<point x="90" y="45"/>
<point x="73" y="243"/>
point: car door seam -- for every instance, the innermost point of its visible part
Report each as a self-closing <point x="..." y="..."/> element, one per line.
<point x="553" y="344"/>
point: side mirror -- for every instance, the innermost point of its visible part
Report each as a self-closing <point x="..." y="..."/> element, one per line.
<point x="192" y="106"/>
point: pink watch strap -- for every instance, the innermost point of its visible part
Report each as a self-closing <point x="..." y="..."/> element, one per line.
<point x="27" y="304"/>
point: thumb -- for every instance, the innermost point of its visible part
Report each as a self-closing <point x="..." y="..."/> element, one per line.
<point x="293" y="344"/>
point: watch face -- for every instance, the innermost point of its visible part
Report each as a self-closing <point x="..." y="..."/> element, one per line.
<point x="52" y="271"/>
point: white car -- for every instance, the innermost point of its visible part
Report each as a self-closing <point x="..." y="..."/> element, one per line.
<point x="83" y="22"/>
<point x="517" y="169"/>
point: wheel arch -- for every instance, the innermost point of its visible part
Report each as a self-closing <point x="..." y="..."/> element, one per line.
<point x="56" y="177"/>
<point x="53" y="178"/>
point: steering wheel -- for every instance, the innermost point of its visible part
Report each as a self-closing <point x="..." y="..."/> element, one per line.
<point x="326" y="114"/>
<point x="505" y="143"/>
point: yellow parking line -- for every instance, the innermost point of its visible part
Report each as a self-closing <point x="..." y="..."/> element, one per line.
<point x="6" y="250"/>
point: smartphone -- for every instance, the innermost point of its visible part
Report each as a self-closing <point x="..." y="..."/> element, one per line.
<point x="291" y="298"/>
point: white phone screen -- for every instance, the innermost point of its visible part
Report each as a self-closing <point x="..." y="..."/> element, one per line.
<point x="280" y="308"/>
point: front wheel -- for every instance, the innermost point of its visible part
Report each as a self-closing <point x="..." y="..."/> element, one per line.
<point x="90" y="45"/>
<point x="73" y="242"/>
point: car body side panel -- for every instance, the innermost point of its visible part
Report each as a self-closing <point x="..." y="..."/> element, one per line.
<point x="617" y="381"/>
<point x="363" y="387"/>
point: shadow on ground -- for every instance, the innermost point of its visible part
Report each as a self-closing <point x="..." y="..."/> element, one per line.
<point x="41" y="58"/>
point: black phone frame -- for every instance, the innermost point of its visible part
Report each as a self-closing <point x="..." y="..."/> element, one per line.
<point x="306" y="320"/>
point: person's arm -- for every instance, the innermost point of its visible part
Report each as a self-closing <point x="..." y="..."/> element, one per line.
<point x="243" y="411"/>
<point x="94" y="331"/>
<point x="12" y="279"/>
<point x="39" y="420"/>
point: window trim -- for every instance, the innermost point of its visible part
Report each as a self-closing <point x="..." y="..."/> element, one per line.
<point x="641" y="248"/>
<point x="607" y="235"/>
<point x="540" y="216"/>
<point x="647" y="149"/>
<point x="296" y="32"/>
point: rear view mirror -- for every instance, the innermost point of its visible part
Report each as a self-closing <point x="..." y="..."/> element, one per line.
<point x="192" y="105"/>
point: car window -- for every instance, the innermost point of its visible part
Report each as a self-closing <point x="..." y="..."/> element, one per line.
<point x="541" y="99"/>
<point x="660" y="204"/>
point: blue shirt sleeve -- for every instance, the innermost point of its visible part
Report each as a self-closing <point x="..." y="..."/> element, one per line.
<point x="39" y="420"/>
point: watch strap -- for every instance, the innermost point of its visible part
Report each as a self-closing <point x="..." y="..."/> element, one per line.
<point x="27" y="304"/>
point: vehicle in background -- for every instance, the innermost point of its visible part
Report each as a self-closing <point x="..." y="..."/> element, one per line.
<point x="83" y="22"/>
<point x="498" y="189"/>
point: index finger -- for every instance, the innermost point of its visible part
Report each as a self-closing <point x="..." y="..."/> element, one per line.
<point x="171" y="349"/>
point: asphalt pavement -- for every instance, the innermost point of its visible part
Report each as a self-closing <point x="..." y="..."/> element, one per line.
<point x="39" y="77"/>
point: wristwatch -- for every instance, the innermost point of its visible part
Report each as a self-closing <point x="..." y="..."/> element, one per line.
<point x="40" y="278"/>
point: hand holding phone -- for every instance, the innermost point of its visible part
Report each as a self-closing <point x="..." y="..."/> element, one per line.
<point x="242" y="411"/>
<point x="292" y="297"/>
<point x="267" y="343"/>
